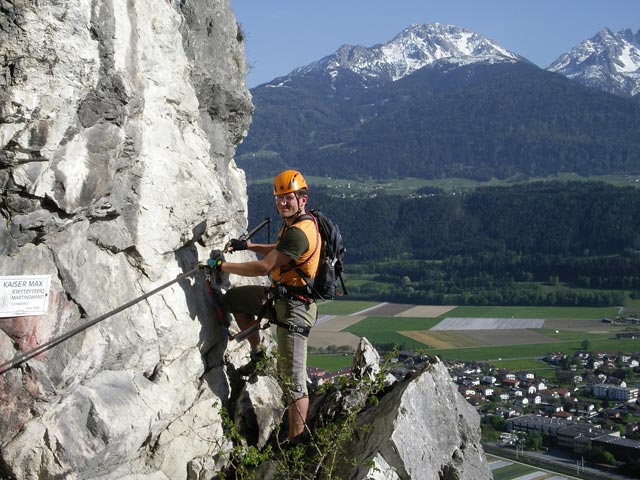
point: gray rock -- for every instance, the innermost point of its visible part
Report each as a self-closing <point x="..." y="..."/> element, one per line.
<point x="422" y="429"/>
<point x="118" y="125"/>
<point x="259" y="409"/>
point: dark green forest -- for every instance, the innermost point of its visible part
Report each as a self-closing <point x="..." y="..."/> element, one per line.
<point x="476" y="121"/>
<point x="539" y="243"/>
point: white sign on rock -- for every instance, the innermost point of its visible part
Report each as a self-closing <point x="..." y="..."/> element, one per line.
<point x="22" y="295"/>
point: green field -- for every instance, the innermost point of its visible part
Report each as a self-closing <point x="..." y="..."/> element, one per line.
<point x="587" y="313"/>
<point x="517" y="357"/>
<point x="385" y="330"/>
<point x="571" y="335"/>
<point x="343" y="307"/>
<point x="535" y="350"/>
<point x="409" y="185"/>
<point x="522" y="364"/>
<point x="537" y="367"/>
<point x="330" y="362"/>
<point x="391" y="324"/>
<point x="514" y="470"/>
<point x="348" y="307"/>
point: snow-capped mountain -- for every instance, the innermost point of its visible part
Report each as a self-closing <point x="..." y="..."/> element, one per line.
<point x="442" y="101"/>
<point x="412" y="49"/>
<point x="608" y="61"/>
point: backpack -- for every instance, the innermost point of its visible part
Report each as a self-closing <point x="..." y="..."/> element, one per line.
<point x="331" y="266"/>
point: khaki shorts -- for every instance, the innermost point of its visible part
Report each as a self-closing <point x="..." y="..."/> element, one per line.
<point x="247" y="299"/>
<point x="292" y="347"/>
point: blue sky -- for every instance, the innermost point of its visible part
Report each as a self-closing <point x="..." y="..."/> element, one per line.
<point x="285" y="34"/>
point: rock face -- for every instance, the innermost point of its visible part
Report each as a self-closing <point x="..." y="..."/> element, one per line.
<point x="118" y="124"/>
<point x="423" y="429"/>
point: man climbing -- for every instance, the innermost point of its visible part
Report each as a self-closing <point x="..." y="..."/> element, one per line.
<point x="296" y="251"/>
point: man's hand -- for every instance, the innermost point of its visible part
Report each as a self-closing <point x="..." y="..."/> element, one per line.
<point x="236" y="245"/>
<point x="215" y="263"/>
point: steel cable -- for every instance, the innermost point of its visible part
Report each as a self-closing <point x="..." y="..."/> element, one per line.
<point x="23" y="357"/>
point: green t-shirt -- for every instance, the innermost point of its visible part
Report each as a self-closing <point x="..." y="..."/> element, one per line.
<point x="293" y="243"/>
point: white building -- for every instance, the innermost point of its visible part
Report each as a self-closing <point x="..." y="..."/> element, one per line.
<point x="615" y="392"/>
<point x="488" y="380"/>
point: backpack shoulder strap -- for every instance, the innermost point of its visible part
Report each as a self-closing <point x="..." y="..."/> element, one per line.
<point x="307" y="280"/>
<point x="308" y="216"/>
<point x="305" y="216"/>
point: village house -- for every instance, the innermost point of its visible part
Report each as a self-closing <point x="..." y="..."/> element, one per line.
<point x="563" y="393"/>
<point x="488" y="380"/>
<point x="616" y="381"/>
<point x="469" y="370"/>
<point x="596" y="379"/>
<point x="584" y="356"/>
<point x="511" y="382"/>
<point x="506" y="412"/>
<point x="549" y="395"/>
<point x="631" y="428"/>
<point x="503" y="396"/>
<point x="584" y="409"/>
<point x="551" y="408"/>
<point x="515" y="392"/>
<point x="485" y="391"/>
<point x="555" y="358"/>
<point x="466" y="392"/>
<point x="562" y="414"/>
<point x="536" y="399"/>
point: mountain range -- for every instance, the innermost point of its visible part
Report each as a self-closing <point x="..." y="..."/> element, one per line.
<point x="412" y="49"/>
<point x="608" y="61"/>
<point x="439" y="100"/>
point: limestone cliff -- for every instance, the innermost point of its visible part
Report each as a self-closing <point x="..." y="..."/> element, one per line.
<point x="118" y="125"/>
<point x="119" y="121"/>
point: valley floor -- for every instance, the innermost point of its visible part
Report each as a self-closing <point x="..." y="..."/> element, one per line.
<point x="452" y="332"/>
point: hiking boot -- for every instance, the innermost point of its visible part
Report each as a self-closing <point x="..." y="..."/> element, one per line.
<point x="256" y="363"/>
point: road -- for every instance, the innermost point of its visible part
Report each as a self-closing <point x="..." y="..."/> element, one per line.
<point x="556" y="460"/>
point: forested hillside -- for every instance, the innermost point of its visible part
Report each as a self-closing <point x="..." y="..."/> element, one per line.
<point x="475" y="121"/>
<point x="500" y="245"/>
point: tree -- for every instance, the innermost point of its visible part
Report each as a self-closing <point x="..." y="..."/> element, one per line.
<point x="608" y="458"/>
<point x="585" y="345"/>
<point x="534" y="440"/>
<point x="498" y="423"/>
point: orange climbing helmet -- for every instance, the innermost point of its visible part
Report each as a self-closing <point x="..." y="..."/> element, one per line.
<point x="288" y="181"/>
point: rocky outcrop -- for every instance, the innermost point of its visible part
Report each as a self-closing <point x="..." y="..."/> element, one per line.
<point x="422" y="429"/>
<point x="366" y="427"/>
<point x="118" y="125"/>
<point x="119" y="121"/>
